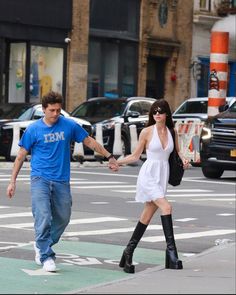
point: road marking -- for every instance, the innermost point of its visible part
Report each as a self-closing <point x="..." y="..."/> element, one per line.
<point x="99" y="203"/>
<point x="200" y="195"/>
<point x="168" y="190"/>
<point x="198" y="179"/>
<point x="186" y="219"/>
<point x="95" y="182"/>
<point x="214" y="199"/>
<point x="73" y="221"/>
<point x="12" y="245"/>
<point x="101" y="186"/>
<point x="108" y="231"/>
<point x="84" y="261"/>
<point x="39" y="272"/>
<point x="22" y="214"/>
<point x="4" y="207"/>
<point x="18" y="179"/>
<point x="105" y="174"/>
<point x="191" y="235"/>
<point x="225" y="214"/>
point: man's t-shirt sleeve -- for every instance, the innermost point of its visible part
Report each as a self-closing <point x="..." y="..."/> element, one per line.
<point x="79" y="133"/>
<point x="26" y="140"/>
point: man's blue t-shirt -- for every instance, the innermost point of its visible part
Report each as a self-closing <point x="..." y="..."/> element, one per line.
<point x="50" y="147"/>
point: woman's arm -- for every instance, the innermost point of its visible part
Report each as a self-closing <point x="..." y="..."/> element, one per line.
<point x="138" y="150"/>
<point x="184" y="160"/>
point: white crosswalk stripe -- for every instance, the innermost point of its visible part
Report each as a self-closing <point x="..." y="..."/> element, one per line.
<point x="101" y="230"/>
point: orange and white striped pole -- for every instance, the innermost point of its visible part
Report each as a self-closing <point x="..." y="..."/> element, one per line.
<point x="218" y="71"/>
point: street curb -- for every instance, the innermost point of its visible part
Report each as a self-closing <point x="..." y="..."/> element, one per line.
<point x="158" y="268"/>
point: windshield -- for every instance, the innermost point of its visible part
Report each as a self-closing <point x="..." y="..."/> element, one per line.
<point x="193" y="107"/>
<point x="233" y="108"/>
<point x="95" y="111"/>
<point x="12" y="111"/>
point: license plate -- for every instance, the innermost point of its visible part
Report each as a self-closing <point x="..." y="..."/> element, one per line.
<point x="233" y="153"/>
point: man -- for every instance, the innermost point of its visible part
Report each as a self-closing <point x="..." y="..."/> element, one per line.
<point x="48" y="140"/>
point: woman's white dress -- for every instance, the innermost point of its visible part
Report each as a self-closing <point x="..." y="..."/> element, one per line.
<point x="154" y="174"/>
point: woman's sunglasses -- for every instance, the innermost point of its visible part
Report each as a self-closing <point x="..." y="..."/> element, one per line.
<point x="159" y="111"/>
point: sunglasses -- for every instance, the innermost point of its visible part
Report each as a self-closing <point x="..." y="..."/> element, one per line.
<point x="159" y="111"/>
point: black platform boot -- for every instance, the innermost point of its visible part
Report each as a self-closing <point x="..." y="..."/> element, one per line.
<point x="172" y="260"/>
<point x="126" y="259"/>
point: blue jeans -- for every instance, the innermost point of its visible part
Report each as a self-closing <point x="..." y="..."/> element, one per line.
<point x="51" y="208"/>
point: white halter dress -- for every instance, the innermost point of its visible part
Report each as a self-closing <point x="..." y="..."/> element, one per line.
<point x="154" y="174"/>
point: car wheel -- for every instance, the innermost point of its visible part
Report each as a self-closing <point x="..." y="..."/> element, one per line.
<point x="212" y="172"/>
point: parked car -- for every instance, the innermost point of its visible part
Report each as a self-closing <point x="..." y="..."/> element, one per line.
<point x="109" y="111"/>
<point x="24" y="114"/>
<point x="218" y="143"/>
<point x="196" y="108"/>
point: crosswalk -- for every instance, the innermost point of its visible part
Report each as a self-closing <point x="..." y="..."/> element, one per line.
<point x="109" y="225"/>
<point x="125" y="187"/>
<point x="105" y="225"/>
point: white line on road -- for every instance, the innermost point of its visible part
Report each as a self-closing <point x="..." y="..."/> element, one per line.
<point x="22" y="214"/>
<point x="101" y="186"/>
<point x="108" y="231"/>
<point x="73" y="221"/>
<point x="201" y="195"/>
<point x="197" y="179"/>
<point x="191" y="235"/>
<point x="214" y="199"/>
<point x="186" y="219"/>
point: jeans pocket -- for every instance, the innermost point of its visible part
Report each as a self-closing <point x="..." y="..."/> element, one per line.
<point x="35" y="178"/>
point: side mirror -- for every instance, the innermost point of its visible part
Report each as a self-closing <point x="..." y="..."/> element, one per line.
<point x="133" y="114"/>
<point x="223" y="108"/>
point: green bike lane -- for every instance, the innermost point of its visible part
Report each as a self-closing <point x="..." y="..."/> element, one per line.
<point x="79" y="265"/>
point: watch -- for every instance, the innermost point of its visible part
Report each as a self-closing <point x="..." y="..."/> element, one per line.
<point x="111" y="156"/>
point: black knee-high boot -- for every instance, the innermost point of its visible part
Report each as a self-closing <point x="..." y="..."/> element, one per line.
<point x="126" y="259"/>
<point x="172" y="260"/>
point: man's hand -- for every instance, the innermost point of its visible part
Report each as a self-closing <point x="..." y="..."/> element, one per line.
<point x="11" y="189"/>
<point x="113" y="165"/>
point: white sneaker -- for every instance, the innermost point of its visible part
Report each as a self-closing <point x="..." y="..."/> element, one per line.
<point x="37" y="255"/>
<point x="49" y="265"/>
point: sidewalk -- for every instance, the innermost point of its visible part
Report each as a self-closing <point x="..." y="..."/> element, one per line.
<point x="210" y="272"/>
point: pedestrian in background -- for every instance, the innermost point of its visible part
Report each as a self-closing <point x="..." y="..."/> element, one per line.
<point x="48" y="140"/>
<point x="152" y="182"/>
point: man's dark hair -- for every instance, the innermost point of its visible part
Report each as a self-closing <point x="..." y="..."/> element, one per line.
<point x="51" y="98"/>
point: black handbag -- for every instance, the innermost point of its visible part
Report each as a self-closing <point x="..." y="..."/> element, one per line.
<point x="176" y="165"/>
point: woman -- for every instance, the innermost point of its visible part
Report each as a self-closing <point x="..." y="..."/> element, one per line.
<point x="152" y="182"/>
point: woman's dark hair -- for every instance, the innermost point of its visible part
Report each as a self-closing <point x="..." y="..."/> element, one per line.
<point x="163" y="105"/>
<point x="51" y="98"/>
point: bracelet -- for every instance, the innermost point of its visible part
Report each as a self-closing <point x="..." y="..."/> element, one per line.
<point x="111" y="156"/>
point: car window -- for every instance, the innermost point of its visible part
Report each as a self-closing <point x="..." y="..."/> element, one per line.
<point x="193" y="107"/>
<point x="100" y="109"/>
<point x="38" y="113"/>
<point x="12" y="111"/>
<point x="26" y="115"/>
<point x="233" y="107"/>
<point x="135" y="107"/>
<point x="145" y="107"/>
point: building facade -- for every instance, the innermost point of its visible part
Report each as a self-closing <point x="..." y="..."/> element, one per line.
<point x="89" y="48"/>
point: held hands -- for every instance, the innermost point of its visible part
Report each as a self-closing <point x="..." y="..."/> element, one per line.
<point x="113" y="165"/>
<point x="185" y="163"/>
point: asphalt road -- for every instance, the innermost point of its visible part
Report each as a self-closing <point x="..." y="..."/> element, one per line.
<point x="104" y="215"/>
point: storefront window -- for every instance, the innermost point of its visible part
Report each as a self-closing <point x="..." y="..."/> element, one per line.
<point x="17" y="72"/>
<point x="46" y="71"/>
<point x="111" y="70"/>
<point x="128" y="72"/>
